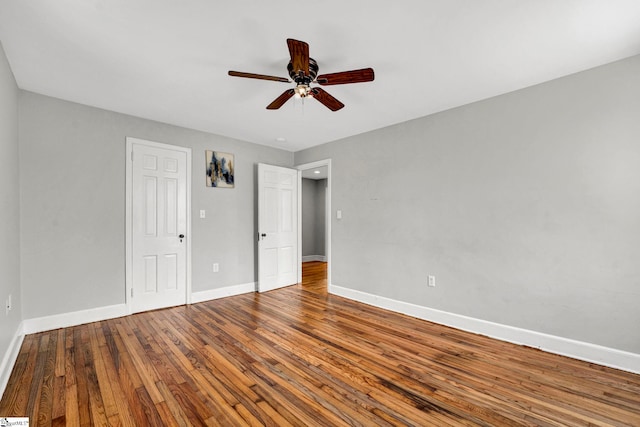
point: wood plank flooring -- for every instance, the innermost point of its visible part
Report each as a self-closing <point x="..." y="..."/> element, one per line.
<point x="299" y="357"/>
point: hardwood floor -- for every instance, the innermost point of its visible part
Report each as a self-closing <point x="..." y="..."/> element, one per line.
<point x="298" y="356"/>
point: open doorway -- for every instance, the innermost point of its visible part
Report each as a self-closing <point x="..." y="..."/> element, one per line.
<point x="314" y="225"/>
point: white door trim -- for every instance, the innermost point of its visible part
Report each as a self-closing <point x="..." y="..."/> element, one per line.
<point x="328" y="218"/>
<point x="129" y="215"/>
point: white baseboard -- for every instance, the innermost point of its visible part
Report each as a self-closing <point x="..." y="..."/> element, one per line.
<point x="64" y="320"/>
<point x="227" y="291"/>
<point x="601" y="355"/>
<point x="9" y="359"/>
<point x="308" y="258"/>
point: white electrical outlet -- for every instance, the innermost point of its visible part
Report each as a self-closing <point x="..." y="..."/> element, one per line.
<point x="432" y="281"/>
<point x="216" y="267"/>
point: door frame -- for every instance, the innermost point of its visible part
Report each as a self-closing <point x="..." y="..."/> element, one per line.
<point x="129" y="215"/>
<point x="328" y="218"/>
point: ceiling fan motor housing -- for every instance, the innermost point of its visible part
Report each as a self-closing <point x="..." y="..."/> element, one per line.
<point x="299" y="76"/>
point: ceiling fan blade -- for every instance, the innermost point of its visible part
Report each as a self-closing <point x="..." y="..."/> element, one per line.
<point x="258" y="76"/>
<point x="279" y="101"/>
<point x="344" y="77"/>
<point x="299" y="52"/>
<point x="327" y="100"/>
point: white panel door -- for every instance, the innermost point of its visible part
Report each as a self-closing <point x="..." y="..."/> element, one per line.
<point x="277" y="227"/>
<point x="159" y="227"/>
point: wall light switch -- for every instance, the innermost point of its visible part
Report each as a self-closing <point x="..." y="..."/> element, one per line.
<point x="203" y="214"/>
<point x="432" y="281"/>
<point x="339" y="214"/>
<point x="216" y="267"/>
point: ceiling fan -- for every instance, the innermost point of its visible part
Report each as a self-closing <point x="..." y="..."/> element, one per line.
<point x="303" y="71"/>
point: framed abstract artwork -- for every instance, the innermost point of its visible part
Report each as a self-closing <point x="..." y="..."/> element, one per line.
<point x="220" y="169"/>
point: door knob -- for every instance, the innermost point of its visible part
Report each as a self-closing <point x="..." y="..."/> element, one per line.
<point x="181" y="237"/>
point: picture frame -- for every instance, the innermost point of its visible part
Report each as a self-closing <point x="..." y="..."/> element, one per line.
<point x="220" y="169"/>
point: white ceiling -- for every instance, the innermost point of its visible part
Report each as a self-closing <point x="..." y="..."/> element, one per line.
<point x="321" y="172"/>
<point x="167" y="60"/>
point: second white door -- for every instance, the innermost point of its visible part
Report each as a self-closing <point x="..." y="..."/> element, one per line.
<point x="278" y="227"/>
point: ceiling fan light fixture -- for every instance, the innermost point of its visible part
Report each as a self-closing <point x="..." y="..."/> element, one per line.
<point x="302" y="91"/>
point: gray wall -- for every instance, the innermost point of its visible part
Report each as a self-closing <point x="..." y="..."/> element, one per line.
<point x="526" y="208"/>
<point x="320" y="217"/>
<point x="9" y="206"/>
<point x="313" y="216"/>
<point x="72" y="182"/>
